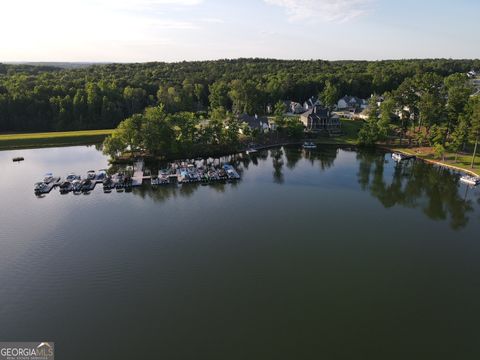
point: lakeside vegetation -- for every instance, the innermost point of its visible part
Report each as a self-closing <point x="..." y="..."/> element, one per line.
<point x="191" y="108"/>
<point x="428" y="111"/>
<point x="47" y="98"/>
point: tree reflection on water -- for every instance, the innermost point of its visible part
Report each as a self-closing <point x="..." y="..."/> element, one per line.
<point x="415" y="184"/>
<point x="412" y="184"/>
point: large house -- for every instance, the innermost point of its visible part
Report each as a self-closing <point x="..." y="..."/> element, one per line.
<point x="320" y="119"/>
<point x="352" y="103"/>
<point x="311" y="103"/>
<point x="294" y="107"/>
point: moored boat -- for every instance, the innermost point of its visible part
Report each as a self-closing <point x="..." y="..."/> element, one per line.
<point x="309" y="145"/>
<point x="400" y="157"/>
<point x="39" y="187"/>
<point x="72" y="177"/>
<point x="76" y="186"/>
<point x="231" y="172"/>
<point x="65" y="187"/>
<point x="91" y="174"/>
<point x="470" y="180"/>
<point x="48" y="178"/>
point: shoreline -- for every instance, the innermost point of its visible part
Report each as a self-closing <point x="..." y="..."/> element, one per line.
<point x="94" y="137"/>
<point x="431" y="161"/>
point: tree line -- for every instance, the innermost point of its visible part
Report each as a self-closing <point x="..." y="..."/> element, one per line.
<point x="46" y="98"/>
<point x="429" y="110"/>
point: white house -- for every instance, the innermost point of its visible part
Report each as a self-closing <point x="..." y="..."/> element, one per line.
<point x="351" y="103"/>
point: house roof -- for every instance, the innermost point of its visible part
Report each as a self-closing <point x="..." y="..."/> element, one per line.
<point x="253" y="121"/>
<point x="316" y="111"/>
<point x="353" y="100"/>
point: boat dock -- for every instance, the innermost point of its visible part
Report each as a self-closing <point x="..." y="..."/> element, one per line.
<point x="48" y="187"/>
<point x="136" y="176"/>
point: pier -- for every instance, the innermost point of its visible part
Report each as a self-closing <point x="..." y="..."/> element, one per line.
<point x="176" y="173"/>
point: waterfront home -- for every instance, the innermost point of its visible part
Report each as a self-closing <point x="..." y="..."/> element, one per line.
<point x="293" y="107"/>
<point x="320" y="119"/>
<point x="311" y="103"/>
<point x="352" y="103"/>
<point x="260" y="123"/>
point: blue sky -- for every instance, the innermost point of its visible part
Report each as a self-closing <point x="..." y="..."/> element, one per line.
<point x="175" y="30"/>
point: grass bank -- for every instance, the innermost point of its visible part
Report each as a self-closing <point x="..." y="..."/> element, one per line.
<point x="462" y="163"/>
<point x="48" y="139"/>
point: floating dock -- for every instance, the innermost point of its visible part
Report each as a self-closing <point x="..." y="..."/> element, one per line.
<point x="176" y="173"/>
<point x="137" y="178"/>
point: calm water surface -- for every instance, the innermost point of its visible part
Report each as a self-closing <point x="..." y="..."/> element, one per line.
<point x="330" y="254"/>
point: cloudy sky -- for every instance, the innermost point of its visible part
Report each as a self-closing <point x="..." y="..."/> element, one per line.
<point x="174" y="30"/>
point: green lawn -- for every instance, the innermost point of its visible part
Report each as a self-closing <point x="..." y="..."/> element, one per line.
<point x="28" y="140"/>
<point x="350" y="129"/>
<point x="463" y="160"/>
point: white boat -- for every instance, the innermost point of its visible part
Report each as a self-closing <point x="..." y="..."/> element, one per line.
<point x="470" y="180"/>
<point x="91" y="175"/>
<point x="397" y="157"/>
<point x="39" y="187"/>
<point x="71" y="177"/>
<point x="231" y="172"/>
<point x="48" y="178"/>
<point x="400" y="157"/>
<point x="251" y="151"/>
<point x="309" y="145"/>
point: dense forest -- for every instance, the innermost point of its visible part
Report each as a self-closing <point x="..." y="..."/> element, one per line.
<point x="43" y="98"/>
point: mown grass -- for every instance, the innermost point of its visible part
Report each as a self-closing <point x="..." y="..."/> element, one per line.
<point x="47" y="139"/>
<point x="463" y="161"/>
<point x="350" y="129"/>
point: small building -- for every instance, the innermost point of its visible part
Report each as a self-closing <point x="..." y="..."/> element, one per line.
<point x="320" y="119"/>
<point x="260" y="123"/>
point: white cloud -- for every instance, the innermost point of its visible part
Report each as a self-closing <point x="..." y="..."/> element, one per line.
<point x="325" y="10"/>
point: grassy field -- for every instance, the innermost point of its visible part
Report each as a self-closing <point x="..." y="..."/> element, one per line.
<point x="350" y="129"/>
<point x="463" y="160"/>
<point x="31" y="140"/>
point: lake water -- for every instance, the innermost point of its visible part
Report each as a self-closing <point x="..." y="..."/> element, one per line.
<point x="330" y="254"/>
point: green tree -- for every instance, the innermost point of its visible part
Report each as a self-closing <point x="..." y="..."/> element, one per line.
<point x="458" y="91"/>
<point x="459" y="136"/>
<point x="474" y="132"/>
<point x="219" y="113"/>
<point x="293" y="128"/>
<point x="232" y="131"/>
<point x="157" y="132"/>
<point x="374" y="128"/>
<point x="439" y="151"/>
<point x="279" y="109"/>
<point x="219" y="95"/>
<point x="330" y="94"/>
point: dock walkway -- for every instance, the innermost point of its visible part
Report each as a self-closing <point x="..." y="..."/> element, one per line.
<point x="137" y="179"/>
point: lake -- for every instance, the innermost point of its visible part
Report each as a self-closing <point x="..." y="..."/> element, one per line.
<point x="325" y="254"/>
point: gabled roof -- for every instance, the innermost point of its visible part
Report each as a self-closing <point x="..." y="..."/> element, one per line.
<point x="253" y="121"/>
<point x="316" y="111"/>
<point x="353" y="100"/>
